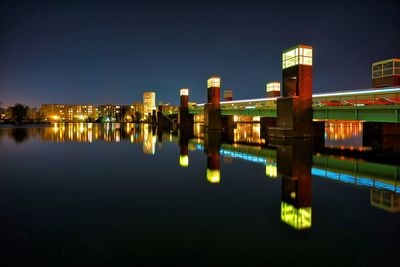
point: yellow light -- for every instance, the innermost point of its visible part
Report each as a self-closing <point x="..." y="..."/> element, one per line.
<point x="81" y="117"/>
<point x="298" y="218"/>
<point x="299" y="55"/>
<point x="184" y="161"/>
<point x="214" y="81"/>
<point x="271" y="171"/>
<point x="184" y="91"/>
<point x="213" y="176"/>
<point x="273" y="87"/>
<point x="235" y="118"/>
<point x="55" y="117"/>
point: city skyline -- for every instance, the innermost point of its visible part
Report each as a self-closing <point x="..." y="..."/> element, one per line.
<point x="80" y="53"/>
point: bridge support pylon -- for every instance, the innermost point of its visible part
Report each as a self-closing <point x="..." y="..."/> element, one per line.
<point x="212" y="111"/>
<point x="294" y="108"/>
<point x="184" y="118"/>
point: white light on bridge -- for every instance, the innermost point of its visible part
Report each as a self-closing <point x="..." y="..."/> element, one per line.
<point x="214" y="81"/>
<point x="184" y="91"/>
<point x="299" y="55"/>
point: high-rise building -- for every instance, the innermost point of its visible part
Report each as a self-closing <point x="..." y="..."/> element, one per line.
<point x="149" y="103"/>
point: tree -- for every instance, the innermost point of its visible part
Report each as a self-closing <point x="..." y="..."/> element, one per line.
<point x="19" y="112"/>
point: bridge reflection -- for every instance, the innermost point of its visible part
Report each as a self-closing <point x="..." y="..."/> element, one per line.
<point x="293" y="163"/>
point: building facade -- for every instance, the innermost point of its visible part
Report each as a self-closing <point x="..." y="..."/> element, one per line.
<point x="149" y="103"/>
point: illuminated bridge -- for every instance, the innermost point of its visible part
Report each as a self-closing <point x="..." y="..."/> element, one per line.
<point x="343" y="170"/>
<point x="375" y="105"/>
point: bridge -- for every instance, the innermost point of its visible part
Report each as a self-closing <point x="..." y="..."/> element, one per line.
<point x="338" y="169"/>
<point x="294" y="112"/>
<point x="374" y="105"/>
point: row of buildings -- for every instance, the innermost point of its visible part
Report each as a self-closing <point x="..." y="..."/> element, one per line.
<point x="100" y="113"/>
<point x="136" y="112"/>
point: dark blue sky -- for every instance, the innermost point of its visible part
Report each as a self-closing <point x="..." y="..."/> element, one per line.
<point x="112" y="51"/>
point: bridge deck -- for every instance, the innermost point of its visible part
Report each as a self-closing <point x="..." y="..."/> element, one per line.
<point x="377" y="105"/>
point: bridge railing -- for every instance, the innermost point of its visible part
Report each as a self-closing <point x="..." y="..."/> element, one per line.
<point x="370" y="97"/>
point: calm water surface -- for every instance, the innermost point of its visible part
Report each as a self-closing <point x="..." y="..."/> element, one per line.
<point x="130" y="194"/>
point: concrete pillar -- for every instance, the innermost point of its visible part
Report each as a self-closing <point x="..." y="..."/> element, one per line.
<point x="228" y="121"/>
<point x="273" y="89"/>
<point x="212" y="112"/>
<point x="294" y="111"/>
<point x="265" y="123"/>
<point x="380" y="135"/>
<point x="228" y="95"/>
<point x="184" y="118"/>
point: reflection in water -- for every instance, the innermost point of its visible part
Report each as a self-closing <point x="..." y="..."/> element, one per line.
<point x="293" y="163"/>
<point x="19" y="135"/>
<point x="385" y="200"/>
<point x="212" y="146"/>
<point x="248" y="133"/>
<point x="344" y="135"/>
<point x="150" y="138"/>
<point x="271" y="170"/>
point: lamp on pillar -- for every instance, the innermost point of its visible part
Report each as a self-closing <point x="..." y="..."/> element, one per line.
<point x="273" y="89"/>
<point x="294" y="109"/>
<point x="212" y="114"/>
<point x="228" y="95"/>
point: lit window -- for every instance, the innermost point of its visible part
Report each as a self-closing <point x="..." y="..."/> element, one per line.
<point x="273" y="87"/>
<point x="214" y="82"/>
<point x="300" y="55"/>
<point x="184" y="91"/>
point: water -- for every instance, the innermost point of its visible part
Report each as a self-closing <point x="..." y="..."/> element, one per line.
<point x="127" y="194"/>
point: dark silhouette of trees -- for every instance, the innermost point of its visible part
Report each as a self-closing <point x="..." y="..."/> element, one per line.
<point x="19" y="112"/>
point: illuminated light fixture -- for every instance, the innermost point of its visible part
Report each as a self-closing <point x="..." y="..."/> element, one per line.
<point x="184" y="91"/>
<point x="214" y="81"/>
<point x="298" y="55"/>
<point x="298" y="218"/>
<point x="55" y="117"/>
<point x="273" y="87"/>
<point x="184" y="161"/>
<point x="271" y="171"/>
<point x="213" y="176"/>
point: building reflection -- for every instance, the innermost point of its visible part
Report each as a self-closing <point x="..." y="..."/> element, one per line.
<point x="293" y="162"/>
<point x="149" y="139"/>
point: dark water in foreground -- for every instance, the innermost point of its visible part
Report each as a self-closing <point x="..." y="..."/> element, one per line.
<point x="114" y="194"/>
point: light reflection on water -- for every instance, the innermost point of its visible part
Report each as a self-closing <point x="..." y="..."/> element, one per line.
<point x="292" y="166"/>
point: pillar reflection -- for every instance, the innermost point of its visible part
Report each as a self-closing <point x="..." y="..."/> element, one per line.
<point x="184" y="133"/>
<point x="294" y="162"/>
<point x="212" y="145"/>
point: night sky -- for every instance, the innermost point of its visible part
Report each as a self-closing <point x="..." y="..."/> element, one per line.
<point x="81" y="52"/>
